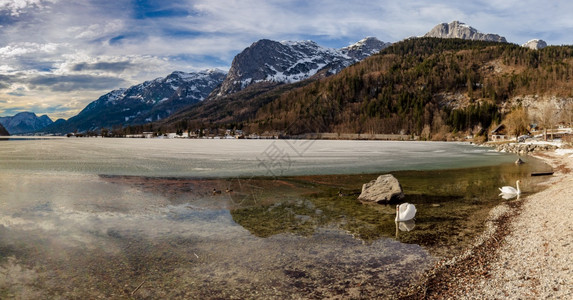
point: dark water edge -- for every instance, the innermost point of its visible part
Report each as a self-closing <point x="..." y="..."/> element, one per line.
<point x="264" y="238"/>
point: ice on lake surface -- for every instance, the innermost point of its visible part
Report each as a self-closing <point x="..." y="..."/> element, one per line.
<point x="89" y="218"/>
<point x="230" y="158"/>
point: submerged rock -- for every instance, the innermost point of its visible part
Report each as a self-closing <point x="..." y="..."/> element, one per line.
<point x="384" y="189"/>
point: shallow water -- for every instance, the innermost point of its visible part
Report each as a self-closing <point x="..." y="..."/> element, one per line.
<point x="91" y="218"/>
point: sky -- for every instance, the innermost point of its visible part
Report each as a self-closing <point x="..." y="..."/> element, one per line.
<point x="57" y="56"/>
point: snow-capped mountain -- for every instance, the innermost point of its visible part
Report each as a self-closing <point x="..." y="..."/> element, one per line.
<point x="535" y="44"/>
<point x="364" y="48"/>
<point x="25" y="122"/>
<point x="288" y="62"/>
<point x="460" y="30"/>
<point x="143" y="103"/>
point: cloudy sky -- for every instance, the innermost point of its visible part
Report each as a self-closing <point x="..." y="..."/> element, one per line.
<point x="56" y="56"/>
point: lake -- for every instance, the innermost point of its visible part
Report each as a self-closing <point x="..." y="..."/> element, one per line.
<point x="152" y="218"/>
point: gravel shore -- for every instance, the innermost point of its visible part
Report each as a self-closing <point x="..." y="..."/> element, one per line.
<point x="526" y="251"/>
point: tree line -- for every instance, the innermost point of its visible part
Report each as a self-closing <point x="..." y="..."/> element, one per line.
<point x="428" y="87"/>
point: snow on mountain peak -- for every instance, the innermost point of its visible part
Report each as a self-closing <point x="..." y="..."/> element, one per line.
<point x="535" y="44"/>
<point x="457" y="29"/>
<point x="24" y="122"/>
<point x="291" y="61"/>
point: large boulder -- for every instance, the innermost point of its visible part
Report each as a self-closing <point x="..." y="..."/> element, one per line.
<point x="384" y="189"/>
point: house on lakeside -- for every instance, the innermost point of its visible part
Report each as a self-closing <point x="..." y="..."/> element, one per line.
<point x="498" y="134"/>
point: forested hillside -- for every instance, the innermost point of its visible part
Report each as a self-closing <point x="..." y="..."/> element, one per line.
<point x="424" y="86"/>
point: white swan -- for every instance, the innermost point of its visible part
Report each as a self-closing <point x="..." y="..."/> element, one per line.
<point x="511" y="190"/>
<point x="405" y="212"/>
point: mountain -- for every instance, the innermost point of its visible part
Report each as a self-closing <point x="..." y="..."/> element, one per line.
<point x="25" y="122"/>
<point x="3" y="131"/>
<point x="288" y="62"/>
<point x="429" y="87"/>
<point x="460" y="30"/>
<point x="265" y="62"/>
<point x="143" y="103"/>
<point x="535" y="44"/>
<point x="364" y="48"/>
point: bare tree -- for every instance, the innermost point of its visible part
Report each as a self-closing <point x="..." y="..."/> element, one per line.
<point x="567" y="113"/>
<point x="547" y="118"/>
<point x="517" y="122"/>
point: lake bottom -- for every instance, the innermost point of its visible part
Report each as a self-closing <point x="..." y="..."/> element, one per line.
<point x="89" y="236"/>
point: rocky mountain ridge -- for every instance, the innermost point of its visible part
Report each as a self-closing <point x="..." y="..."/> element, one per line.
<point x="535" y="44"/>
<point x="143" y="103"/>
<point x="264" y="64"/>
<point x="288" y="62"/>
<point x="25" y="122"/>
<point x="457" y="29"/>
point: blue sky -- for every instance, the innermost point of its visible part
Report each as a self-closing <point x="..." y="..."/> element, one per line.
<point x="56" y="56"/>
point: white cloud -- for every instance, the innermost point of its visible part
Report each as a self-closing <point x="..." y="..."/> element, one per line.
<point x="19" y="49"/>
<point x="16" y="7"/>
<point x="136" y="41"/>
<point x="94" y="31"/>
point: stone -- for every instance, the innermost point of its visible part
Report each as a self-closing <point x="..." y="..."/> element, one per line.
<point x="385" y="189"/>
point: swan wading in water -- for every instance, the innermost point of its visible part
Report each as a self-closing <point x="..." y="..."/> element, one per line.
<point x="405" y="212"/>
<point x="510" y="189"/>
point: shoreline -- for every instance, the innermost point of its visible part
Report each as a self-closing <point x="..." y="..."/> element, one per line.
<point x="524" y="253"/>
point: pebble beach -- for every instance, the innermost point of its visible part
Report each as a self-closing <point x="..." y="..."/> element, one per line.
<point x="526" y="252"/>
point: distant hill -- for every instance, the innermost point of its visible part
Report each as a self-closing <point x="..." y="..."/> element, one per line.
<point x="25" y="122"/>
<point x="142" y="103"/>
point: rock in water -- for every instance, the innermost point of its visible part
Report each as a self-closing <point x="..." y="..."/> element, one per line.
<point x="384" y="189"/>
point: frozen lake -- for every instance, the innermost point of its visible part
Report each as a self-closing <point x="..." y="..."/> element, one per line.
<point x="231" y="158"/>
<point x="137" y="218"/>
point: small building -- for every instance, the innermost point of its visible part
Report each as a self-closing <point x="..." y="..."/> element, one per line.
<point x="498" y="134"/>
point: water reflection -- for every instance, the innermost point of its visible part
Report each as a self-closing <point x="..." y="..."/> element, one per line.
<point x="406" y="226"/>
<point x="85" y="236"/>
<point x="508" y="196"/>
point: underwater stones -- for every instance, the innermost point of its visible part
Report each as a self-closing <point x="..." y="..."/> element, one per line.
<point x="384" y="189"/>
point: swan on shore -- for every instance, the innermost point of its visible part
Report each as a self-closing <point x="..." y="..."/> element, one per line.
<point x="510" y="190"/>
<point x="405" y="212"/>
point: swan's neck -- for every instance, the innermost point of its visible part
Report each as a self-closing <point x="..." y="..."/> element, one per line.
<point x="397" y="213"/>
<point x="518" y="190"/>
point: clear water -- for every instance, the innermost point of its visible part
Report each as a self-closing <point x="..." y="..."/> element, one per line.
<point x="88" y="218"/>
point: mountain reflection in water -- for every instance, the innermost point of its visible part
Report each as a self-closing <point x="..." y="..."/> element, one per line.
<point x="66" y="234"/>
